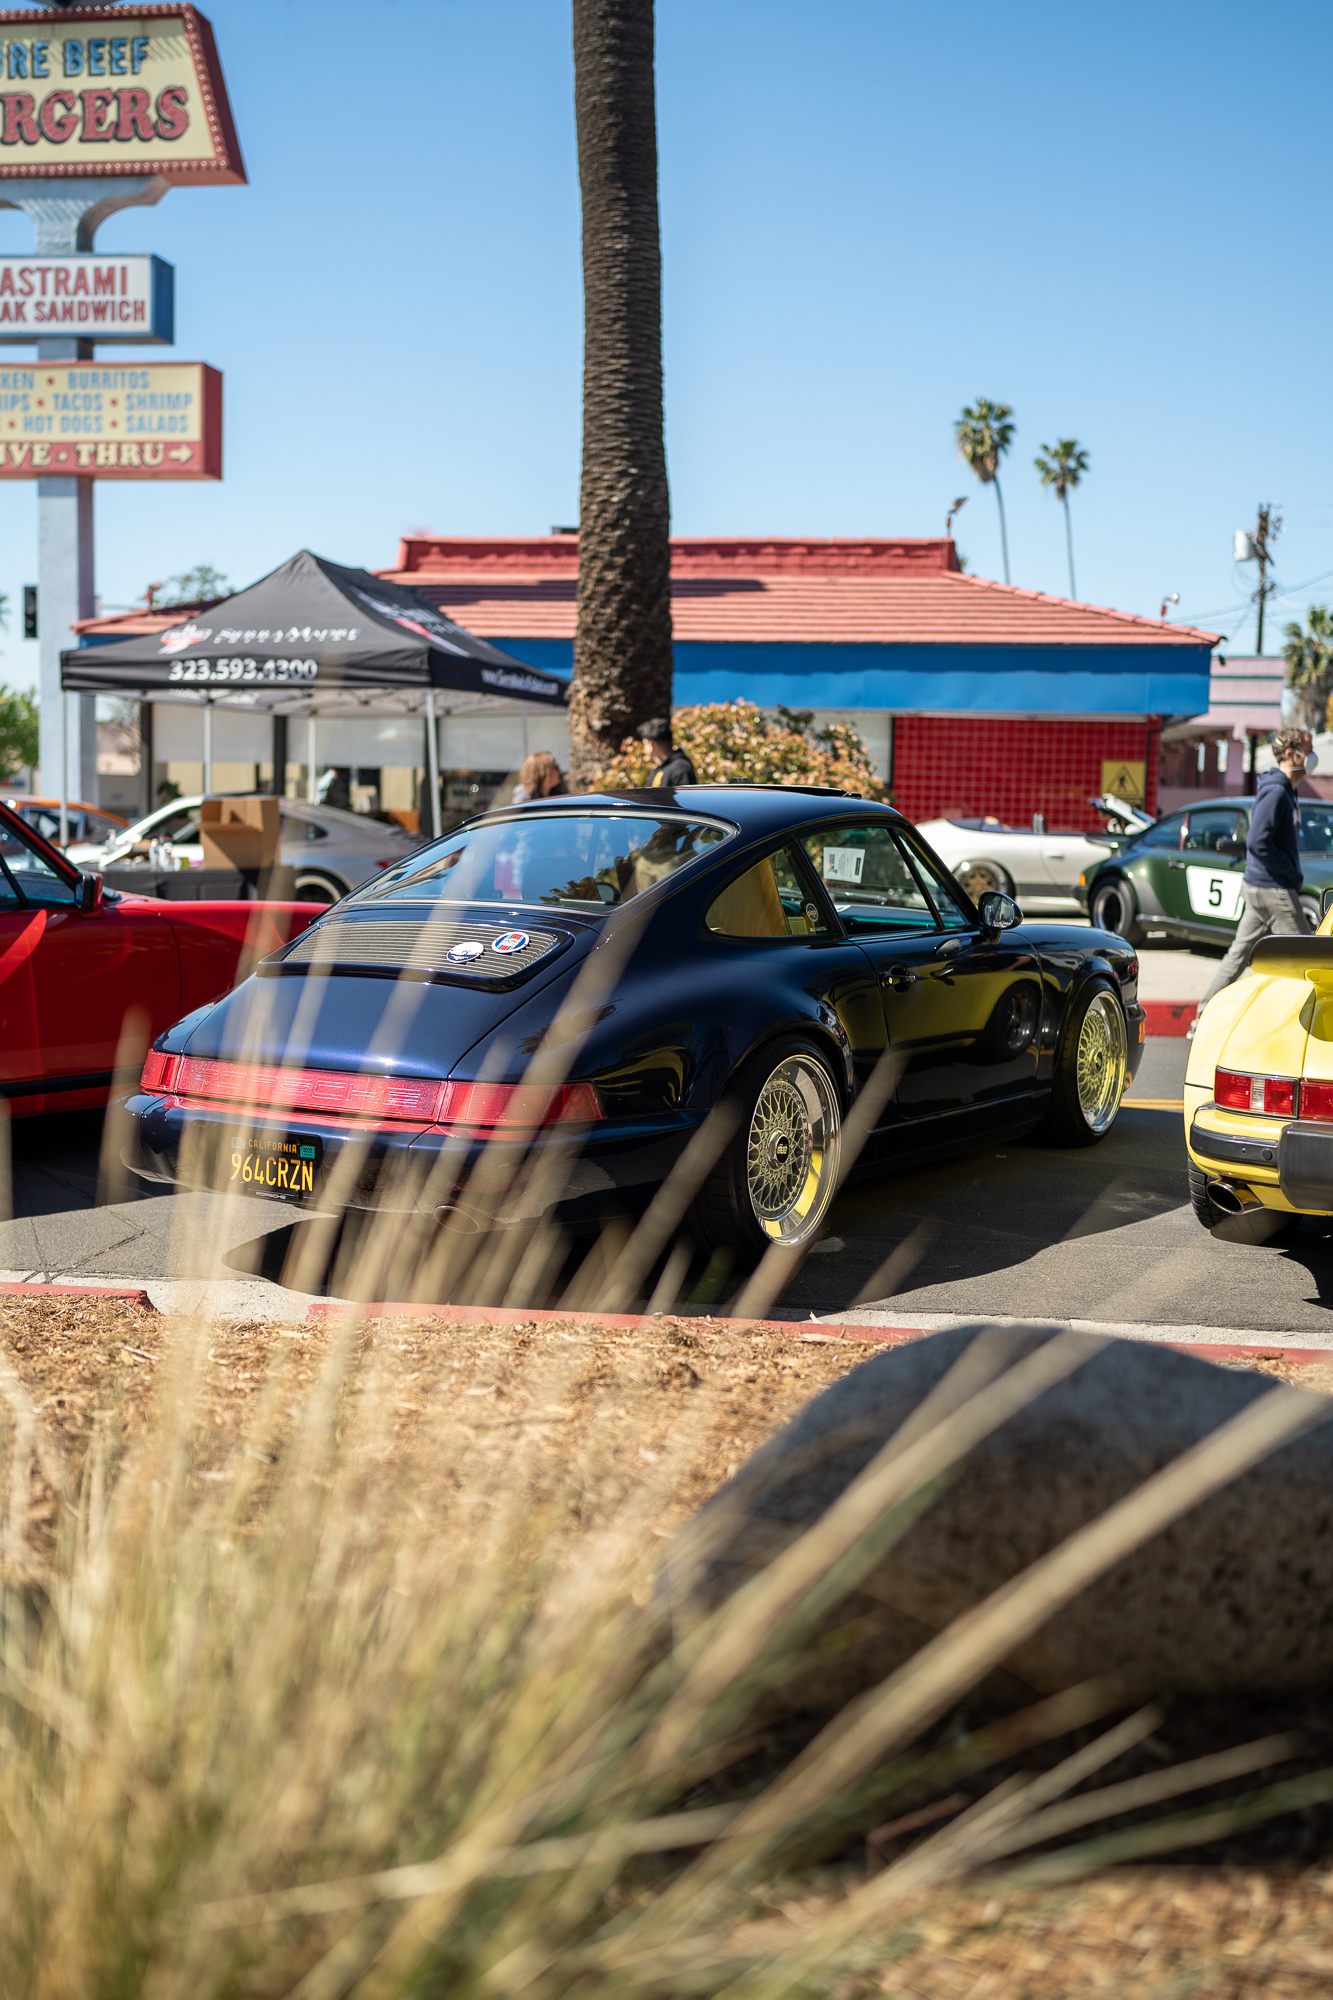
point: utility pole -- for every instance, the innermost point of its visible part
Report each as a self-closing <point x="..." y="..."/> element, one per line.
<point x="1258" y="547"/>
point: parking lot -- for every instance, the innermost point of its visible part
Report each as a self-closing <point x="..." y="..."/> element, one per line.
<point x="1102" y="1234"/>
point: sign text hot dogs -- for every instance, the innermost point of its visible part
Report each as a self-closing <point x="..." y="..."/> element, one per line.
<point x="143" y="420"/>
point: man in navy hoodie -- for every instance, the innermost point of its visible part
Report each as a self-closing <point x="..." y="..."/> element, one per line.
<point x="1272" y="858"/>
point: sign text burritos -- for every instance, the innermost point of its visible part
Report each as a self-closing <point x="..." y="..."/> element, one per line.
<point x="118" y="420"/>
<point x="114" y="90"/>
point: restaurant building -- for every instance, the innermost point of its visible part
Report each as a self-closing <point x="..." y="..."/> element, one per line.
<point x="973" y="697"/>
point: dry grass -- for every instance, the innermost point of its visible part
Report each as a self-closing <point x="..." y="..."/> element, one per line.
<point x="330" y="1664"/>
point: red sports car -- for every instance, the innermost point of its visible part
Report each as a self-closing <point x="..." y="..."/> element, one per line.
<point x="76" y="963"/>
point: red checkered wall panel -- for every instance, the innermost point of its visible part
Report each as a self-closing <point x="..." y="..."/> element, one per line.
<point x="956" y="767"/>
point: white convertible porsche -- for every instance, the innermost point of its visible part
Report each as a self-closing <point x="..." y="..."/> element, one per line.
<point x="1039" y="869"/>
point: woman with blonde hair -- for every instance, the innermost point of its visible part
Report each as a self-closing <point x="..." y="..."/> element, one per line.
<point x="540" y="778"/>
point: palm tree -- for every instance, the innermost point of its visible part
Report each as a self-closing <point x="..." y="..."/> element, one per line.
<point x="1061" y="466"/>
<point x="622" y="644"/>
<point x="983" y="435"/>
<point x="1309" y="658"/>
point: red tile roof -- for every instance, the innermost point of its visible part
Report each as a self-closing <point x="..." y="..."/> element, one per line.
<point x="906" y="591"/>
<point x="129" y="624"/>
<point x="902" y="592"/>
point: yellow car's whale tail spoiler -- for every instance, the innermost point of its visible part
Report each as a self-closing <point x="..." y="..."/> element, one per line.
<point x="1294" y="957"/>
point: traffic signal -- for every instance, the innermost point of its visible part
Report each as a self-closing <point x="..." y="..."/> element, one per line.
<point x="30" y="611"/>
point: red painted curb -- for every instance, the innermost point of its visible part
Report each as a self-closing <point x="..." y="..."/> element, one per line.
<point x="1168" y="1017"/>
<point x="13" y="1288"/>
<point x="629" y="1322"/>
<point x="888" y="1336"/>
<point x="1299" y="1355"/>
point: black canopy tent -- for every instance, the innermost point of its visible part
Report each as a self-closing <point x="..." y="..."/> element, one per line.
<point x="314" y="639"/>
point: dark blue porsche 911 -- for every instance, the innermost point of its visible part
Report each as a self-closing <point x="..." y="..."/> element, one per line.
<point x="580" y="982"/>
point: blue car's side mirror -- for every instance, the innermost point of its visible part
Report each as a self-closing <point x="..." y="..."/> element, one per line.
<point x="998" y="911"/>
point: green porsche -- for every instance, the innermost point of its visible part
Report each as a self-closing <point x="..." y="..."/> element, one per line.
<point x="1183" y="874"/>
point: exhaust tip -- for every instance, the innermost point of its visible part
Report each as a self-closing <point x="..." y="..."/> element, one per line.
<point x="450" y="1216"/>
<point x="1232" y="1199"/>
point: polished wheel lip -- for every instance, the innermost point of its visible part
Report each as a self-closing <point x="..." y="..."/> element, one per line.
<point x="792" y="1150"/>
<point x="1100" y="1062"/>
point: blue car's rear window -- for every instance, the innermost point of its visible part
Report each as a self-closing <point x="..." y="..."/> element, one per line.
<point x="579" y="861"/>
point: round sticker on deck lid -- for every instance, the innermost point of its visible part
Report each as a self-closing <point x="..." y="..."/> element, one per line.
<point x="460" y="953"/>
<point x="511" y="941"/>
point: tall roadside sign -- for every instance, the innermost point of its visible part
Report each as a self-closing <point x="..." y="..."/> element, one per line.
<point x="101" y="108"/>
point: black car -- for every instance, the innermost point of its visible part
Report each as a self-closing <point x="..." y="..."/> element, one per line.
<point x="582" y="981"/>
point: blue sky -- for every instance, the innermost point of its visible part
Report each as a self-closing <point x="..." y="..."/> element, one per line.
<point x="1112" y="218"/>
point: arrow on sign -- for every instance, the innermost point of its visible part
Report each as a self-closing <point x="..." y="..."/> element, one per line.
<point x="181" y="453"/>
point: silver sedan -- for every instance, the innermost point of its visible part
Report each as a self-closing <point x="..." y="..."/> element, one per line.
<point x="332" y="851"/>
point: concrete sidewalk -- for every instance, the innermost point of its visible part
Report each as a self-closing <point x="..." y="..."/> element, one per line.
<point x="1170" y="972"/>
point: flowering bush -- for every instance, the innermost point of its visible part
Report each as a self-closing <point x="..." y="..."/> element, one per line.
<point x="731" y="742"/>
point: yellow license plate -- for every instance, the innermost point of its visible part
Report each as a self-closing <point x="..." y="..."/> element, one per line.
<point x="285" y="1164"/>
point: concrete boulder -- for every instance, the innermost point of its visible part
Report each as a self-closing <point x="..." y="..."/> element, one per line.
<point x="1235" y="1595"/>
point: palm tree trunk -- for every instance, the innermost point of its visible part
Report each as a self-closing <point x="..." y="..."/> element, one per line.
<point x="622" y="646"/>
<point x="1069" y="545"/>
<point x="1004" y="538"/>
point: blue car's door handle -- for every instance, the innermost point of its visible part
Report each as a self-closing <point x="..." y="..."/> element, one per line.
<point x="900" y="979"/>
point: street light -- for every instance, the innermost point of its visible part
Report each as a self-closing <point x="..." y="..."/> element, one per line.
<point x="1172" y="597"/>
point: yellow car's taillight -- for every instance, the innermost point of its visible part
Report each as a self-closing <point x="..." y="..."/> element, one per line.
<point x="1277" y="1096"/>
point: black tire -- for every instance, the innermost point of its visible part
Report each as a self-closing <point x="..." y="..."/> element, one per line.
<point x="319" y="889"/>
<point x="1255" y="1226"/>
<point x="1112" y="907"/>
<point x="1207" y="1211"/>
<point x="1311" y="909"/>
<point x="1085" y="1101"/>
<point x="789" y="1112"/>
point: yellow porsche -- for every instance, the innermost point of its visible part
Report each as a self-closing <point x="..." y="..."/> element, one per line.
<point x="1259" y="1087"/>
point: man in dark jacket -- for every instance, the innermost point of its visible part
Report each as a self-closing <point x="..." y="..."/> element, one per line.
<point x="673" y="766"/>
<point x="1272" y="859"/>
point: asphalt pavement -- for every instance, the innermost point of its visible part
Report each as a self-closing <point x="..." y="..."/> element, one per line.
<point x="1103" y="1233"/>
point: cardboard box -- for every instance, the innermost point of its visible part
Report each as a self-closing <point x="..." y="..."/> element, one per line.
<point x="239" y="833"/>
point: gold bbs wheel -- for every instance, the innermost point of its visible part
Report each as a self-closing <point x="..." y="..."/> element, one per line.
<point x="792" y="1150"/>
<point x="1100" y="1063"/>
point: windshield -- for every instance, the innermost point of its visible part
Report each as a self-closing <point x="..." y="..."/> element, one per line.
<point x="1316" y="830"/>
<point x="576" y="861"/>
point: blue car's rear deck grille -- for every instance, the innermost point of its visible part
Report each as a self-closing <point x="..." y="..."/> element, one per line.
<point x="405" y="944"/>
